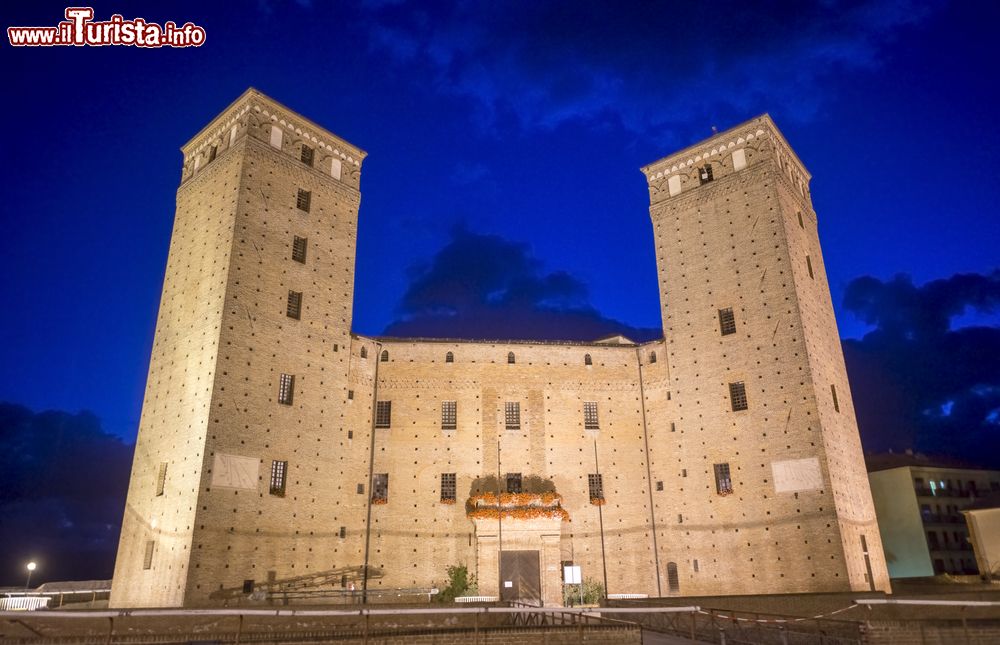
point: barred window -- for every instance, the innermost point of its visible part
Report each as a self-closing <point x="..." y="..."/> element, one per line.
<point x="307" y="155"/>
<point x="659" y="485"/>
<point x="723" y="481"/>
<point x="809" y="265"/>
<point x="738" y="396"/>
<point x="590" y="415"/>
<point x="299" y="249"/>
<point x="595" y="483"/>
<point x="510" y="358"/>
<point x="448" y="487"/>
<point x="449" y="415"/>
<point x="343" y="532"/>
<point x="380" y="488"/>
<point x="705" y="173"/>
<point x="294" y="308"/>
<point x="513" y="482"/>
<point x="147" y="558"/>
<point x="278" y="471"/>
<point x="161" y="478"/>
<point x="286" y="389"/>
<point x="303" y="200"/>
<point x="652" y="357"/>
<point x="673" y="580"/>
<point x="383" y="414"/>
<point x="587" y="360"/>
<point x="727" y="321"/>
<point x="836" y="403"/>
<point x="512" y="415"/>
<point x="449" y="358"/>
<point x="385" y="356"/>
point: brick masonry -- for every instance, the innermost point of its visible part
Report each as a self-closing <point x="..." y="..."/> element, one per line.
<point x="211" y="412"/>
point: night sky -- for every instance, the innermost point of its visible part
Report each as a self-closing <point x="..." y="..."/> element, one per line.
<point x="504" y="145"/>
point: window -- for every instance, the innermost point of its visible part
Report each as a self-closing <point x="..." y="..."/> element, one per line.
<point x="595" y="485"/>
<point x="738" y="396"/>
<point x="705" y="173"/>
<point x="286" y="389"/>
<point x="833" y="392"/>
<point x="343" y="532"/>
<point x="449" y="358"/>
<point x="294" y="308"/>
<point x="364" y="352"/>
<point x="652" y="357"/>
<point x="723" y="481"/>
<point x="211" y="153"/>
<point x="147" y="558"/>
<point x="306" y="156"/>
<point x="248" y="586"/>
<point x="513" y="482"/>
<point x="932" y="540"/>
<point x="385" y="356"/>
<point x="801" y="225"/>
<point x="659" y="486"/>
<point x="695" y="563"/>
<point x="278" y="470"/>
<point x="161" y="478"/>
<point x="673" y="581"/>
<point x="590" y="415"/>
<point x="449" y="415"/>
<point x="727" y="321"/>
<point x="512" y="415"/>
<point x="673" y="427"/>
<point x="383" y="414"/>
<point x="361" y="489"/>
<point x="809" y="265"/>
<point x="350" y="395"/>
<point x="303" y="199"/>
<point x="380" y="488"/>
<point x="447" y="487"/>
<point x="587" y="360"/>
<point x="299" y="249"/>
<point x="510" y="358"/>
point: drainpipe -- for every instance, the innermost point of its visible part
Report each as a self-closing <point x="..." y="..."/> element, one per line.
<point x="371" y="475"/>
<point x="649" y="472"/>
<point x="600" y="519"/>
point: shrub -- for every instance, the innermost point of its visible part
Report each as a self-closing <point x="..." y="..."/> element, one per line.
<point x="460" y="583"/>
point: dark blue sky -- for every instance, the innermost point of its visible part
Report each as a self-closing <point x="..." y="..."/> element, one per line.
<point x="525" y="123"/>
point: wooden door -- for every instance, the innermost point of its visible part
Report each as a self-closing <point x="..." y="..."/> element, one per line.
<point x="520" y="576"/>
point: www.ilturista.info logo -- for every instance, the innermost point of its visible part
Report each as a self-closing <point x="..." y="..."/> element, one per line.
<point x="80" y="29"/>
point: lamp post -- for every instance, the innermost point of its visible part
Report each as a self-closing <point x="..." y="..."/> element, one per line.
<point x="27" y="583"/>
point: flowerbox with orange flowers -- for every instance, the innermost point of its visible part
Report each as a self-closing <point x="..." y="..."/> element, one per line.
<point x="518" y="506"/>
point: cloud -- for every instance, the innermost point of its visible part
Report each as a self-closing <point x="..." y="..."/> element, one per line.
<point x="918" y="381"/>
<point x="643" y="66"/>
<point x="487" y="287"/>
<point x="63" y="494"/>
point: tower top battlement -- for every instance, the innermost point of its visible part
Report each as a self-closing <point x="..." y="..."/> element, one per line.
<point x="255" y="102"/>
<point x="760" y="127"/>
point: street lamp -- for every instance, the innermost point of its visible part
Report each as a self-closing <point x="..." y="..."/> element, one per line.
<point x="27" y="583"/>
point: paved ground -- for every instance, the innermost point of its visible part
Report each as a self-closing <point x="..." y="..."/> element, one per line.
<point x="654" y="638"/>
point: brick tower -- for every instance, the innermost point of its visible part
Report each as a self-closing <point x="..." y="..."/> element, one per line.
<point x="247" y="382"/>
<point x="764" y="443"/>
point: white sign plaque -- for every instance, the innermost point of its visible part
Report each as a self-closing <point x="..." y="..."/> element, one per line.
<point x="571" y="575"/>
<point x="797" y="474"/>
<point x="233" y="471"/>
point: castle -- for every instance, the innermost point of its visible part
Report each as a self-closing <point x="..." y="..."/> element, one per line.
<point x="277" y="449"/>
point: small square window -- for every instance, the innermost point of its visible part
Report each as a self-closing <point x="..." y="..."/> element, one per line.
<point x="307" y="155"/>
<point x="512" y="415"/>
<point x="513" y="482"/>
<point x="361" y="489"/>
<point x="449" y="415"/>
<point x="705" y="174"/>
<point x="286" y="389"/>
<point x="343" y="532"/>
<point x="738" y="396"/>
<point x="833" y="392"/>
<point x="147" y="558"/>
<point x="294" y="308"/>
<point x="383" y="414"/>
<point x="161" y="478"/>
<point x="723" y="480"/>
<point x="727" y="321"/>
<point x="595" y="485"/>
<point x="278" y="470"/>
<point x="380" y="488"/>
<point x="303" y="200"/>
<point x="809" y="266"/>
<point x="448" y="486"/>
<point x="299" y="249"/>
<point x="659" y="486"/>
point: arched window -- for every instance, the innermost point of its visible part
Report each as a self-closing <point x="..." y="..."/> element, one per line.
<point x="673" y="582"/>
<point x="449" y="358"/>
<point x="385" y="356"/>
<point x="652" y="357"/>
<point x="510" y="358"/>
<point x="587" y="360"/>
<point x="364" y="352"/>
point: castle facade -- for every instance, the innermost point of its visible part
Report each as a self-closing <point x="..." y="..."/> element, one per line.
<point x="277" y="450"/>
